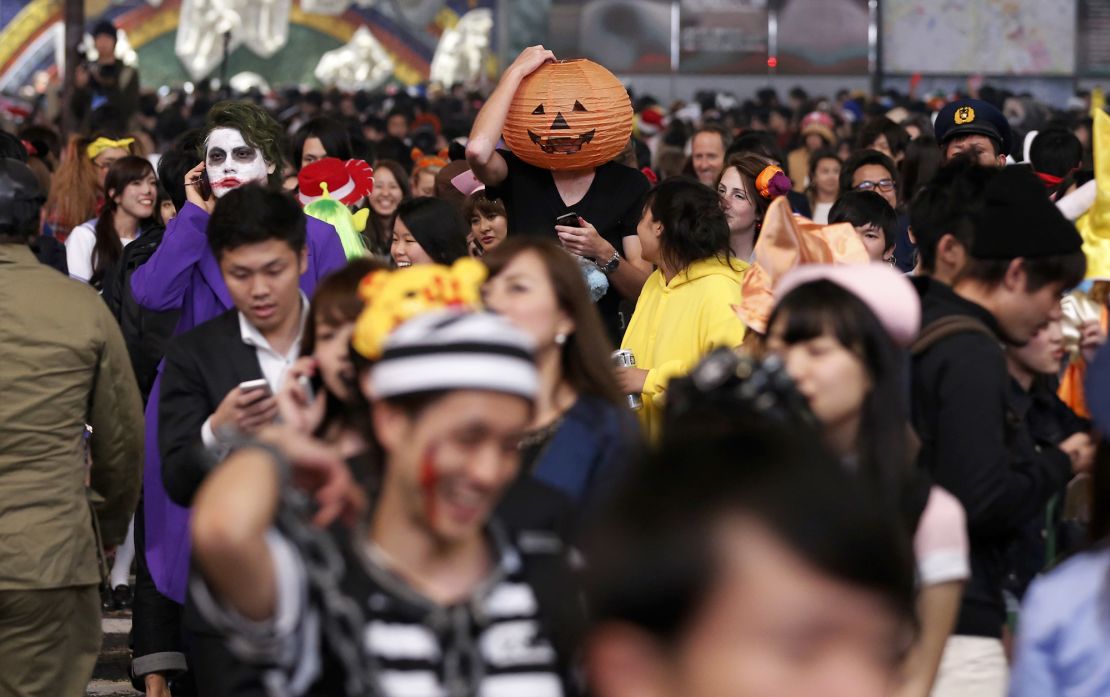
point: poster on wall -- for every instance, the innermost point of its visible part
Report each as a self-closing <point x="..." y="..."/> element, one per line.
<point x="1094" y="38"/>
<point x="823" y="37"/>
<point x="626" y="36"/>
<point x="722" y="36"/>
<point x="995" y="37"/>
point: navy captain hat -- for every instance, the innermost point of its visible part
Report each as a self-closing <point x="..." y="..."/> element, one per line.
<point x="973" y="116"/>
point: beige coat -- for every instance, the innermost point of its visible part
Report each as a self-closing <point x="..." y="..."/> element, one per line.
<point x="63" y="364"/>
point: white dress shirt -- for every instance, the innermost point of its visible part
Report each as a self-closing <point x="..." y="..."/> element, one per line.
<point x="274" y="365"/>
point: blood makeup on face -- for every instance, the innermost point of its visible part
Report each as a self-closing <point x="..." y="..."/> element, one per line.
<point x="428" y="480"/>
<point x="230" y="162"/>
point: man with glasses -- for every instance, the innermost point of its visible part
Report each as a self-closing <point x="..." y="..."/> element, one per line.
<point x="871" y="170"/>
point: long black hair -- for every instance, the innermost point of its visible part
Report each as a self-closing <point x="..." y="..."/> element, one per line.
<point x="437" y="226"/>
<point x="883" y="449"/>
<point x="108" y="248"/>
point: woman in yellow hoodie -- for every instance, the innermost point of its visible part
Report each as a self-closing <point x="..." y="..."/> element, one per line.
<point x="687" y="306"/>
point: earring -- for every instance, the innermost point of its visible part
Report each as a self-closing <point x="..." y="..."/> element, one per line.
<point x="893" y="262"/>
<point x="560" y="339"/>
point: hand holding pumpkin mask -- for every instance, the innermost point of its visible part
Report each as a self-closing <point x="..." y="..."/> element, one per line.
<point x="529" y="60"/>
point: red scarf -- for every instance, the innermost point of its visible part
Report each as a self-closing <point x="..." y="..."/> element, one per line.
<point x="1049" y="180"/>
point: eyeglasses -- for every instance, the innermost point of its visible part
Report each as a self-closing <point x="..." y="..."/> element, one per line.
<point x="881" y="185"/>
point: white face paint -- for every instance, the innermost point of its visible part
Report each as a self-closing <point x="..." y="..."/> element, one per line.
<point x="230" y="162"/>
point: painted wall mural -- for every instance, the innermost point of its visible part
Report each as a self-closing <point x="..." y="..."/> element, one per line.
<point x="407" y="31"/>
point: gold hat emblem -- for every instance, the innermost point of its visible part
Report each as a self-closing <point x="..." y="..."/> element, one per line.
<point x="964" y="114"/>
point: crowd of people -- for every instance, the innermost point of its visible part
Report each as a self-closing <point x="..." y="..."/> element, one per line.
<point x="537" y="394"/>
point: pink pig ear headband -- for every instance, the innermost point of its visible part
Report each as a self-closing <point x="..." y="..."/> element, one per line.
<point x="772" y="182"/>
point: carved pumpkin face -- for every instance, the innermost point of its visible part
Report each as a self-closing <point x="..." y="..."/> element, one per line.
<point x="569" y="115"/>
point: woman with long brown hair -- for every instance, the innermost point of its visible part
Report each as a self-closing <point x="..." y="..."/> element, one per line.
<point x="130" y="195"/>
<point x="77" y="188"/>
<point x="581" y="431"/>
<point x="743" y="202"/>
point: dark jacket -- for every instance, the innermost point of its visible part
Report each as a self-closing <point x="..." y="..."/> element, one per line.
<point x="975" y="445"/>
<point x="202" y="366"/>
<point x="589" y="452"/>
<point x="49" y="251"/>
<point x="1049" y="422"/>
<point x="146" y="332"/>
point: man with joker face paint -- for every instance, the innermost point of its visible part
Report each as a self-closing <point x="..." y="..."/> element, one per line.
<point x="242" y="146"/>
<point x="230" y="162"/>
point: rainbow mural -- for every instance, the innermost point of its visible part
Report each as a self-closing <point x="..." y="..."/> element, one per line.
<point x="31" y="33"/>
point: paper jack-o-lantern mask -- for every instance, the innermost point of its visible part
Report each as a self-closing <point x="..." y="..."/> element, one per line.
<point x="569" y="115"/>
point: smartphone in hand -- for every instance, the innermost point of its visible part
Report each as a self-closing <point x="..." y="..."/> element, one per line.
<point x="204" y="186"/>
<point x="568" y="220"/>
<point x="309" y="386"/>
<point x="253" y="386"/>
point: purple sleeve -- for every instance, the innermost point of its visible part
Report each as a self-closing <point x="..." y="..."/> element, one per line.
<point x="160" y="283"/>
<point x="328" y="249"/>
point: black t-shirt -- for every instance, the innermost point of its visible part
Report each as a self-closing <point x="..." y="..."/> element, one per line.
<point x="612" y="205"/>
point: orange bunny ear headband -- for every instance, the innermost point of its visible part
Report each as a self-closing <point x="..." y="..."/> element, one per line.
<point x="420" y="160"/>
<point x="772" y="182"/>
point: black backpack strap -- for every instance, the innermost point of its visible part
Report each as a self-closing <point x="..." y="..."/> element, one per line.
<point x="936" y="331"/>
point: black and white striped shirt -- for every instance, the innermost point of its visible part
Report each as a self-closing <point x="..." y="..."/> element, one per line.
<point x="496" y="643"/>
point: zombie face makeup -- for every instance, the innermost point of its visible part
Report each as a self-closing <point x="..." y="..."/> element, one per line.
<point x="230" y="162"/>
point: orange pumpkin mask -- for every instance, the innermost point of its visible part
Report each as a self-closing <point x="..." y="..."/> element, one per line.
<point x="569" y="115"/>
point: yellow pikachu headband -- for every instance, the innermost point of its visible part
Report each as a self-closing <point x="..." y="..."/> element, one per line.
<point x="101" y="144"/>
<point x="394" y="297"/>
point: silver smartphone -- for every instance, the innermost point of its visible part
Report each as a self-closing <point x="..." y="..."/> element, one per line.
<point x="253" y="385"/>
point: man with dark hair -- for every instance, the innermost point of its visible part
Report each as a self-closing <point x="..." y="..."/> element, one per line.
<point x="397" y="123"/>
<point x="1055" y="154"/>
<point x="1021" y="256"/>
<point x="975" y="129"/>
<point x="872" y="217"/>
<point x="65" y="365"/>
<point x="882" y="134"/>
<point x="941" y="218"/>
<point x="743" y="559"/>
<point x="258" y="237"/>
<point x="106" y="85"/>
<point x="707" y="153"/>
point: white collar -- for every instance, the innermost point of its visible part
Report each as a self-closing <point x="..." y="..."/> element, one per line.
<point x="252" y="337"/>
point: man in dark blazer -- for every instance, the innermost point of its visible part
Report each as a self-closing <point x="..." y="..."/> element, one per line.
<point x="258" y="237"/>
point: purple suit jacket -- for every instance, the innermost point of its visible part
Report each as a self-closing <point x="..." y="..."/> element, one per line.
<point x="183" y="274"/>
